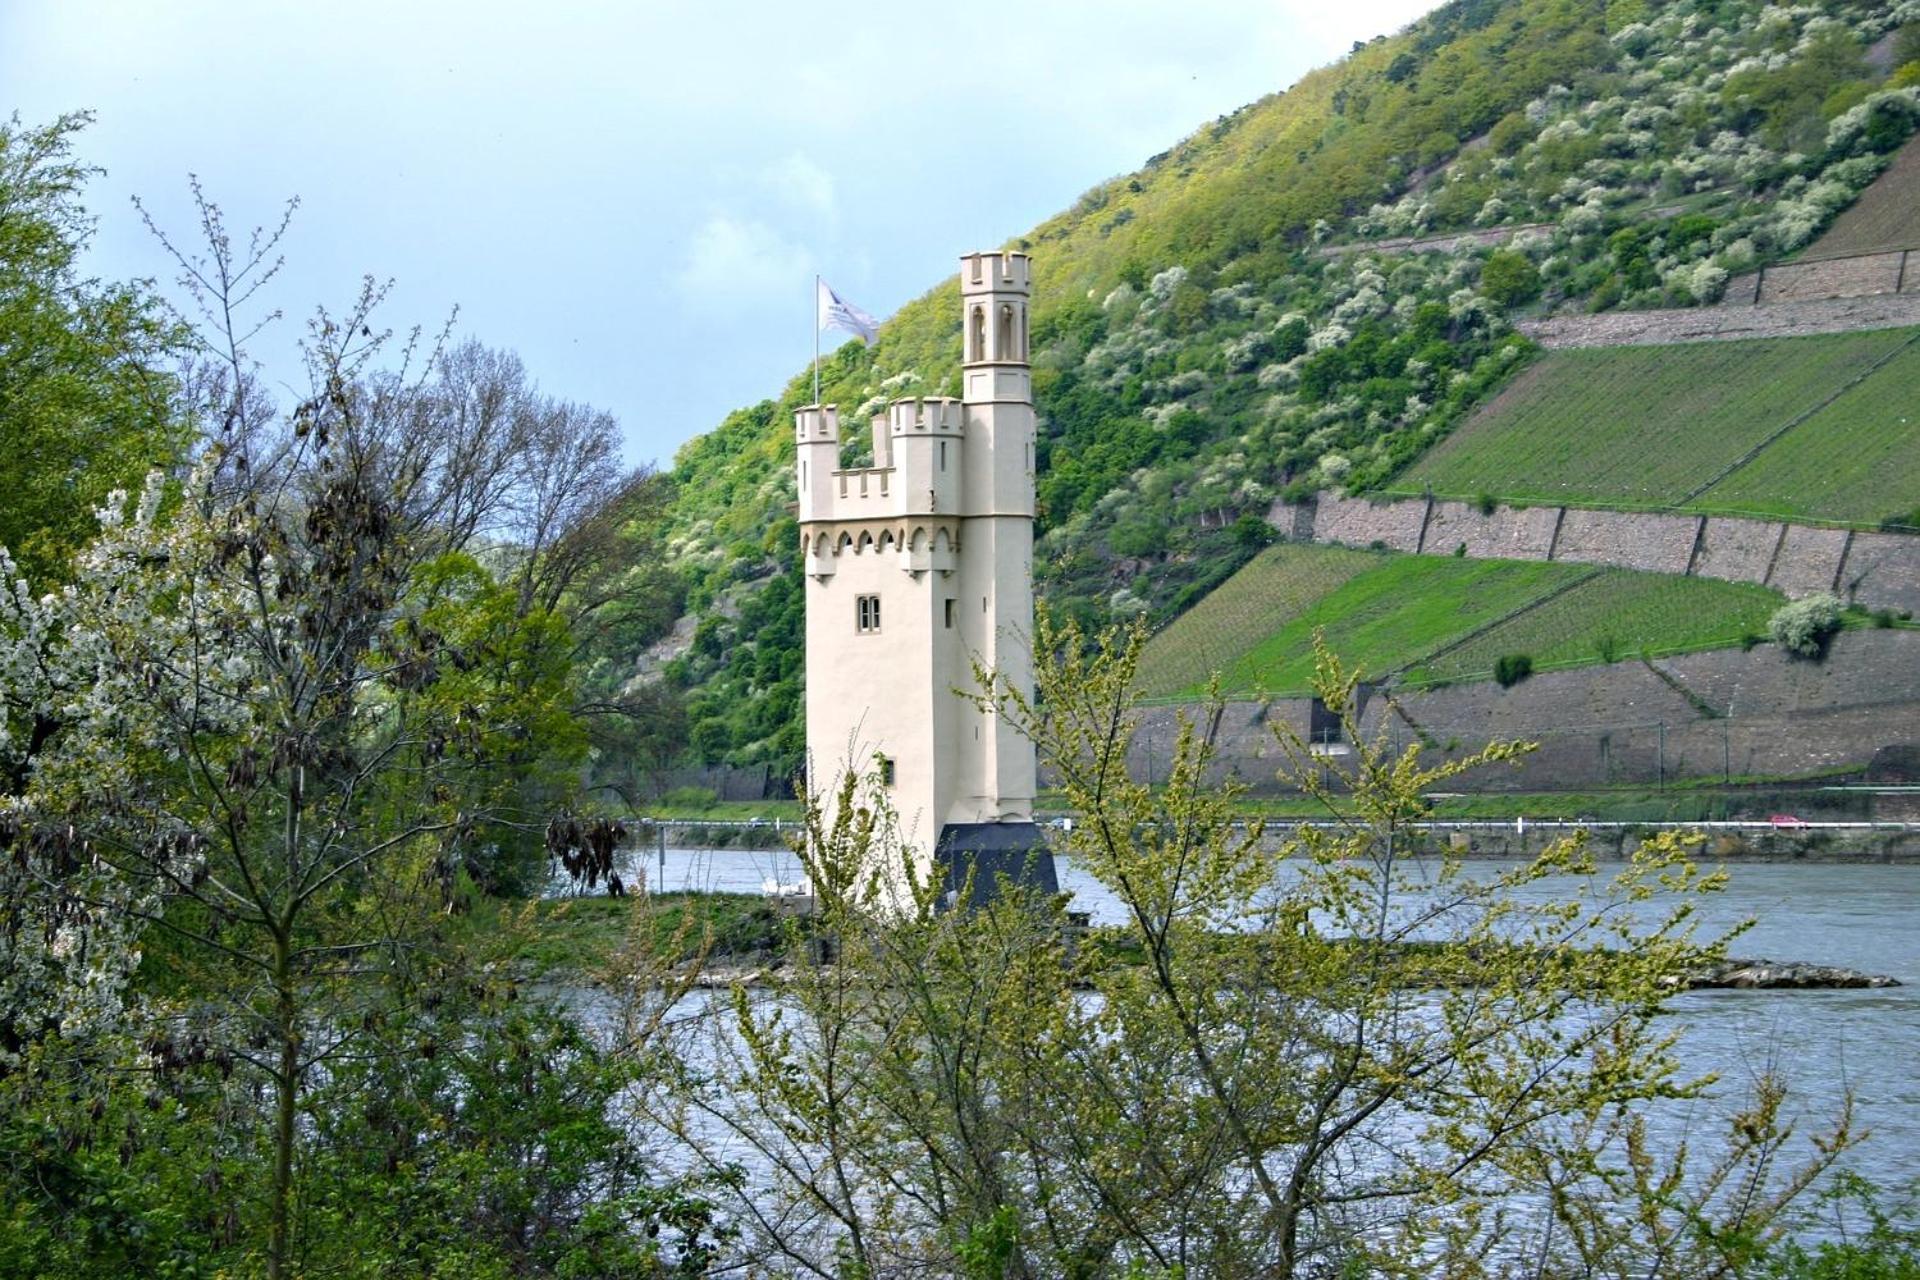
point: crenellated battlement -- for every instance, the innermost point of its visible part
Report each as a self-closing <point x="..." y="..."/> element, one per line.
<point x="926" y="413"/>
<point x="918" y="457"/>
<point x="816" y="424"/>
<point x="996" y="271"/>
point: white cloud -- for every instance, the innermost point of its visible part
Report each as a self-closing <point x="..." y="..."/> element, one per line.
<point x="735" y="262"/>
<point x="802" y="184"/>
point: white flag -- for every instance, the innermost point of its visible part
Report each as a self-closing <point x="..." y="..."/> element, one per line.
<point x="837" y="313"/>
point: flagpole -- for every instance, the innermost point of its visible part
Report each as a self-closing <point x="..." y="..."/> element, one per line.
<point x="816" y="340"/>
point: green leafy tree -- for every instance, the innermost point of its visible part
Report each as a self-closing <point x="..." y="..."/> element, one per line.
<point x="85" y="391"/>
<point x="1509" y="278"/>
<point x="272" y="735"/>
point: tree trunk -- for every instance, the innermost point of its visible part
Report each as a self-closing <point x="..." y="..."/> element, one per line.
<point x="285" y="1085"/>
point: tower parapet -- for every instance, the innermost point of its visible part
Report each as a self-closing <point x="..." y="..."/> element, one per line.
<point x="927" y="444"/>
<point x="990" y="270"/>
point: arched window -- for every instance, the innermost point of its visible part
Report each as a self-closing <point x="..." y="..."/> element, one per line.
<point x="866" y="543"/>
<point x="978" y="345"/>
<point x="1003" y="350"/>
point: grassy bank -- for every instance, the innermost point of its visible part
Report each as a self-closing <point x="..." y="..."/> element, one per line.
<point x="583" y="937"/>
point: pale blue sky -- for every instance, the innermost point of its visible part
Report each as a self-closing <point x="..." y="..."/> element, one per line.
<point x="635" y="197"/>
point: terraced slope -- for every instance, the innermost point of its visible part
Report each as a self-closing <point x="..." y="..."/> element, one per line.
<point x="1281" y="583"/>
<point x="1886" y="216"/>
<point x="1820" y="427"/>
<point x="1857" y="459"/>
<point x="1433" y="618"/>
<point x="1609" y="616"/>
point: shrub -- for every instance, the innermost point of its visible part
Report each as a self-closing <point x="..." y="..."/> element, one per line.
<point x="1512" y="132"/>
<point x="1485" y="504"/>
<point x="1900" y="521"/>
<point x="1139" y="538"/>
<point x="1512" y="669"/>
<point x="1882" y="1241"/>
<point x="1805" y="627"/>
<point x="1509" y="278"/>
<point x="1252" y="533"/>
<point x="697" y="798"/>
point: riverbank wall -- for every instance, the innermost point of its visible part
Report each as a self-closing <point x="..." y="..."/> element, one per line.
<point x="1836" y="842"/>
<point x="1719" y="841"/>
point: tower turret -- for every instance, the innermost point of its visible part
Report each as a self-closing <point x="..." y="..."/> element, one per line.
<point x="816" y="434"/>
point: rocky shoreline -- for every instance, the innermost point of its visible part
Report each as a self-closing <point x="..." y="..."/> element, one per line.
<point x="1728" y="975"/>
<point x="1784" y="975"/>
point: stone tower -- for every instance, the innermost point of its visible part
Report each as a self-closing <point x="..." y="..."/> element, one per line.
<point x="917" y="567"/>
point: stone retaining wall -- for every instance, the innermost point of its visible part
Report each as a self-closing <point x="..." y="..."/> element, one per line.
<point x="1809" y="560"/>
<point x="1629" y="540"/>
<point x="1832" y="278"/>
<point x="1505" y="533"/>
<point x="1361" y="522"/>
<point x="1736" y="550"/>
<point x="1881" y="568"/>
<point x="1878" y="570"/>
<point x="1728" y="323"/>
<point x="1616" y="843"/>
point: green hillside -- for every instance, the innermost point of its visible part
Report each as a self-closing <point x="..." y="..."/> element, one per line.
<point x="1197" y="351"/>
<point x="1820" y="427"/>
<point x="1435" y="618"/>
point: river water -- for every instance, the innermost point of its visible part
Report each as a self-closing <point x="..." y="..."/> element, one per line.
<point x="1821" y="1042"/>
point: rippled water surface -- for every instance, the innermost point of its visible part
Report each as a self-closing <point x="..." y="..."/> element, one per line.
<point x="1823" y="1042"/>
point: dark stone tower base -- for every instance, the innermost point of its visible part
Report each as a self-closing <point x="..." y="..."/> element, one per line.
<point x="1015" y="851"/>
